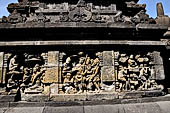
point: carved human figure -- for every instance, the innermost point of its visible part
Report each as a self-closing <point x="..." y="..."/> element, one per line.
<point x="122" y="78"/>
<point x="133" y="81"/>
<point x="143" y="75"/>
<point x="68" y="83"/>
<point x="37" y="76"/>
<point x="26" y="77"/>
<point x="15" y="72"/>
<point x="95" y="75"/>
<point x="79" y="68"/>
<point x="83" y="76"/>
<point x="13" y="65"/>
<point x="131" y="62"/>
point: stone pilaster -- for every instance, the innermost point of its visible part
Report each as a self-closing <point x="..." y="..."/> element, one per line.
<point x="52" y="72"/>
<point x="107" y="71"/>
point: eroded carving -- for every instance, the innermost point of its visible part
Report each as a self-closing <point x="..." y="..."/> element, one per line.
<point x="135" y="72"/>
<point x="82" y="75"/>
<point x="125" y="72"/>
<point x="80" y="12"/>
<point x="25" y="72"/>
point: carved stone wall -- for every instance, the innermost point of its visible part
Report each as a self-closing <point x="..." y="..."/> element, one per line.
<point x="41" y="12"/>
<point x="75" y="72"/>
<point x="109" y="71"/>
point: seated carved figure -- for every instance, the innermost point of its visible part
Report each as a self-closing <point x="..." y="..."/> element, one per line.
<point x="13" y="63"/>
<point x="15" y="73"/>
<point x="68" y="84"/>
<point x="27" y="76"/>
<point x="37" y="76"/>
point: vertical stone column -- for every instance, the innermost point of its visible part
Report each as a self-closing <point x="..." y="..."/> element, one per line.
<point x="1" y="67"/>
<point x="160" y="10"/>
<point x="158" y="66"/>
<point x="60" y="73"/>
<point x="52" y="72"/>
<point x="107" y="71"/>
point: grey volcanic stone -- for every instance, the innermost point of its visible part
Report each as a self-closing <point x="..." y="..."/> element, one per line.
<point x="3" y="110"/>
<point x="26" y="110"/>
<point x="93" y="97"/>
<point x="130" y="95"/>
<point x="74" y="109"/>
<point x="104" y="109"/>
<point x="35" y="98"/>
<point x="142" y="108"/>
<point x="7" y="98"/>
<point x="67" y="97"/>
<point x="151" y="107"/>
<point x="26" y="104"/>
<point x="164" y="106"/>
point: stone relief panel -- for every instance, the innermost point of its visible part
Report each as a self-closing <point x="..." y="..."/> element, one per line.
<point x="81" y="72"/>
<point x="25" y="71"/>
<point x="113" y="71"/>
<point x="136" y="72"/>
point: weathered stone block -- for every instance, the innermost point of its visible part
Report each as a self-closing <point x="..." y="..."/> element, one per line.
<point x="94" y="97"/>
<point x="154" y="93"/>
<point x="7" y="98"/>
<point x="69" y="97"/>
<point x="159" y="72"/>
<point x="54" y="89"/>
<point x="60" y="104"/>
<point x="34" y="97"/>
<point x="108" y="58"/>
<point x="72" y="109"/>
<point x="26" y="104"/>
<point x="141" y="108"/>
<point x="4" y="105"/>
<point x="52" y="72"/>
<point x="3" y="110"/>
<point x="51" y="75"/>
<point x="108" y="73"/>
<point x="163" y="20"/>
<point x="164" y="106"/>
<point x="53" y="58"/>
<point x="25" y="110"/>
<point x="104" y="109"/>
<point x="157" y="59"/>
<point x="129" y="95"/>
<point x="1" y="66"/>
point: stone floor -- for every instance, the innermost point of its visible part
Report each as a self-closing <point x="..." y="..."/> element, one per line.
<point x="153" y="107"/>
<point x="138" y="105"/>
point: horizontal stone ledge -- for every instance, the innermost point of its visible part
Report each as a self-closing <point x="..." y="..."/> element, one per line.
<point x="81" y="42"/>
<point x="167" y="34"/>
<point x="86" y="102"/>
<point x="82" y="25"/>
<point x="156" y="107"/>
<point x="69" y="25"/>
<point x="148" y="100"/>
